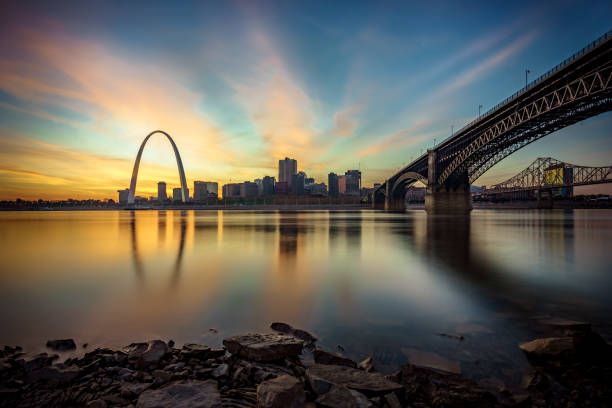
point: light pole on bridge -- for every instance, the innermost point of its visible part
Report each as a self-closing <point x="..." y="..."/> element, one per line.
<point x="527" y="72"/>
<point x="479" y="108"/>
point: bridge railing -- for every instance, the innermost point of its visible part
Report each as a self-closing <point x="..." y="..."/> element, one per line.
<point x="548" y="73"/>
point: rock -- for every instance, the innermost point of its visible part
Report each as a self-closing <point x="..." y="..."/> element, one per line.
<point x="199" y="351"/>
<point x="39" y="361"/>
<point x="342" y="397"/>
<point x="324" y="357"/>
<point x="549" y="348"/>
<point x="431" y="360"/>
<point x="367" y="365"/>
<point x="221" y="371"/>
<point x="393" y="401"/>
<point x="298" y="333"/>
<point x="145" y="354"/>
<point x="62" y="375"/>
<point x="281" y="392"/>
<point x="264" y="347"/>
<point x="196" y="394"/>
<point x="61" y="345"/>
<point x="322" y="377"/>
<point x="134" y="389"/>
<point x="171" y="343"/>
<point x="161" y="377"/>
<point x="97" y="403"/>
<point x="436" y="389"/>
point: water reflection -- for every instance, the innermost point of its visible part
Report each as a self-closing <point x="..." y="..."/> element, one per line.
<point x="379" y="284"/>
<point x="162" y="232"/>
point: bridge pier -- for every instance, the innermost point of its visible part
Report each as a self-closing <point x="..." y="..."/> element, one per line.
<point x="392" y="202"/>
<point x="453" y="202"/>
<point x="544" y="200"/>
<point x="378" y="201"/>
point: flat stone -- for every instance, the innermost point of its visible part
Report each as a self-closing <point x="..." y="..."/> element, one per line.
<point x="196" y="394"/>
<point x="264" y="347"/>
<point x="220" y="371"/>
<point x="192" y="350"/>
<point x="342" y="397"/>
<point x="288" y="329"/>
<point x="547" y="348"/>
<point x="97" y="403"/>
<point x="39" y="361"/>
<point x="145" y="354"/>
<point x="61" y="345"/>
<point x="322" y="377"/>
<point x="281" y="392"/>
<point x="431" y="360"/>
<point x="324" y="357"/>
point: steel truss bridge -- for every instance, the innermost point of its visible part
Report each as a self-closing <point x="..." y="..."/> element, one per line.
<point x="547" y="173"/>
<point x="576" y="89"/>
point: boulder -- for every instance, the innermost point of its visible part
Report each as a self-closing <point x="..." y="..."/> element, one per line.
<point x="199" y="351"/>
<point x="221" y="371"/>
<point x="299" y="333"/>
<point x="196" y="394"/>
<point x="61" y="345"/>
<point x="367" y="365"/>
<point x="322" y="377"/>
<point x="62" y="375"/>
<point x="146" y="354"/>
<point x="324" y="357"/>
<point x="437" y="389"/>
<point x="281" y="392"/>
<point x="342" y="397"/>
<point x="549" y="348"/>
<point x="264" y="347"/>
<point x="39" y="361"/>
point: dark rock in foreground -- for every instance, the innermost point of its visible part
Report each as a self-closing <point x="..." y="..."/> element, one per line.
<point x="290" y="330"/>
<point x="191" y="394"/>
<point x="264" y="347"/>
<point x="61" y="345"/>
<point x="145" y="354"/>
<point x="342" y="397"/>
<point x="322" y="377"/>
<point x="281" y="392"/>
<point x="324" y="357"/>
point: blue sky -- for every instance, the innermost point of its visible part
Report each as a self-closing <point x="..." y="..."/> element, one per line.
<point x="239" y="85"/>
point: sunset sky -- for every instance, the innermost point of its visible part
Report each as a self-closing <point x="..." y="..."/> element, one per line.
<point x="241" y="84"/>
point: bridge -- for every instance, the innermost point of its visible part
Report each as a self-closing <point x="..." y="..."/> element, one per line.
<point x="576" y="89"/>
<point x="547" y="173"/>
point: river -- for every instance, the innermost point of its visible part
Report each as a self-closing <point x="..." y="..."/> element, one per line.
<point x="374" y="283"/>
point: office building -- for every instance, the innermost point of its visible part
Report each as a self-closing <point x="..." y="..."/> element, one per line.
<point x="297" y="183"/>
<point x="318" y="189"/>
<point x="176" y="194"/>
<point x="231" y="190"/>
<point x="161" y="191"/>
<point x="282" y="187"/>
<point x="286" y="169"/>
<point x="268" y="186"/>
<point x="123" y="195"/>
<point x="203" y="190"/>
<point x="248" y="189"/>
<point x="259" y="183"/>
<point x="332" y="183"/>
<point x="355" y="174"/>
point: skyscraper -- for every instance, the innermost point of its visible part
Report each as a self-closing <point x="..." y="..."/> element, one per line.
<point x="286" y="169"/>
<point x="161" y="191"/>
<point x="123" y="195"/>
<point x="297" y="183"/>
<point x="202" y="190"/>
<point x="176" y="194"/>
<point x="332" y="184"/>
<point x="268" y="186"/>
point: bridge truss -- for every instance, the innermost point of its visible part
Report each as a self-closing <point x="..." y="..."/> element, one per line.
<point x="546" y="172"/>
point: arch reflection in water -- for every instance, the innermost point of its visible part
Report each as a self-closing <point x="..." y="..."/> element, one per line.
<point x="136" y="257"/>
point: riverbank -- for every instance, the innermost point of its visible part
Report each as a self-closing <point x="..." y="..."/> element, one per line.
<point x="286" y="368"/>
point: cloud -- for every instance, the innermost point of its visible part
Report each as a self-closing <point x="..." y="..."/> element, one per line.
<point x="345" y="121"/>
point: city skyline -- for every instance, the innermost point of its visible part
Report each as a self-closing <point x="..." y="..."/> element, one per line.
<point x="330" y="86"/>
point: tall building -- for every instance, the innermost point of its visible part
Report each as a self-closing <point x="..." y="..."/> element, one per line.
<point x="161" y="191"/>
<point x="259" y="183"/>
<point x="332" y="183"/>
<point x="231" y="190"/>
<point x="297" y="183"/>
<point x="123" y="195"/>
<point x="202" y="190"/>
<point x="176" y="194"/>
<point x="268" y="186"/>
<point x="282" y="187"/>
<point x="286" y="169"/>
<point x="356" y="174"/>
<point x="248" y="189"/>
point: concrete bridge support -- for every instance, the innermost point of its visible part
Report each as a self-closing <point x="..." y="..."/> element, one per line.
<point x="453" y="202"/>
<point x="394" y="202"/>
<point x="453" y="198"/>
<point x="544" y="200"/>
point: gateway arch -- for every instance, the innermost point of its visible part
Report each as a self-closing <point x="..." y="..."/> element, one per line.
<point x="179" y="163"/>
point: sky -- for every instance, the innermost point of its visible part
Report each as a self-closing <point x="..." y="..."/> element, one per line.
<point x="241" y="84"/>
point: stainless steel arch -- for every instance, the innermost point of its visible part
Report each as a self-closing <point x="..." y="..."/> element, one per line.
<point x="179" y="163"/>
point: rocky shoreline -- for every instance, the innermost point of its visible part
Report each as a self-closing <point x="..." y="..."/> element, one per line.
<point x="268" y="370"/>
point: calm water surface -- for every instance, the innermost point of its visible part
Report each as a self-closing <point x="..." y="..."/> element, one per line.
<point x="378" y="284"/>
